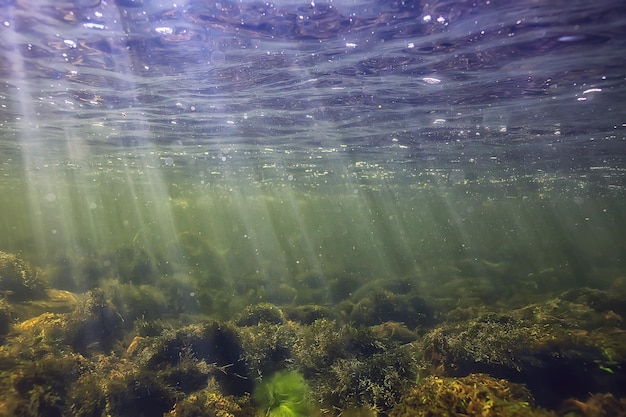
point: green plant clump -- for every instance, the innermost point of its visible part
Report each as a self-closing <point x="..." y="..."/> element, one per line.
<point x="285" y="394"/>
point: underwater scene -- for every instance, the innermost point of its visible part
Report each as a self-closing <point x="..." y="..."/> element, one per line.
<point x="349" y="208"/>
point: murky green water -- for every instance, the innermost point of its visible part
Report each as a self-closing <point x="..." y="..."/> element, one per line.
<point x="349" y="208"/>
<point x="274" y="216"/>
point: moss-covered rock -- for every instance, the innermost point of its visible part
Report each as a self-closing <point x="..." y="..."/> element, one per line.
<point x="40" y="388"/>
<point x="77" y="273"/>
<point x="95" y="325"/>
<point x="559" y="348"/>
<point x="7" y="315"/>
<point x="474" y="395"/>
<point x="19" y="280"/>
<point x="353" y="367"/>
<point x="260" y="313"/>
<point x="132" y="264"/>
<point x="269" y="347"/>
<point x="138" y="394"/>
<point x="377" y="381"/>
<point x="214" y="347"/>
<point x="308" y="314"/>
<point x="133" y="301"/>
<point x="597" y="405"/>
<point x="210" y="402"/>
<point x="381" y="306"/>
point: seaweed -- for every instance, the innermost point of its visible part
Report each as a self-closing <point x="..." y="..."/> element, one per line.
<point x="138" y="394"/>
<point x="474" y="395"/>
<point x="41" y="387"/>
<point x="284" y="394"/>
<point x="260" y="313"/>
<point x="19" y="280"/>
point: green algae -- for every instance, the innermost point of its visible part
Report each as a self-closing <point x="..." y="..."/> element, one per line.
<point x="283" y="394"/>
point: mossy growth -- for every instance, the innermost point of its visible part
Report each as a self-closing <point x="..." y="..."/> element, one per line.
<point x="260" y="313"/>
<point x="6" y="317"/>
<point x="136" y="301"/>
<point x="474" y="395"/>
<point x="381" y="306"/>
<point x="559" y="349"/>
<point x="192" y="353"/>
<point x="95" y="325"/>
<point x="284" y="394"/>
<point x="269" y="347"/>
<point x="596" y="405"/>
<point x="308" y="314"/>
<point x="210" y="402"/>
<point x="74" y="273"/>
<point x="40" y="388"/>
<point x="198" y="252"/>
<point x="135" y="265"/>
<point x="139" y="394"/>
<point x="376" y="382"/>
<point x="19" y="281"/>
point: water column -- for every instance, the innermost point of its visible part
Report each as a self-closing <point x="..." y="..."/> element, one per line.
<point x="83" y="200"/>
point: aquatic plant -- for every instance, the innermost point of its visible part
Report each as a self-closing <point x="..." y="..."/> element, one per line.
<point x="19" y="281"/>
<point x="260" y="313"/>
<point x="351" y="367"/>
<point x="41" y="388"/>
<point x="269" y="347"/>
<point x="6" y="317"/>
<point x="211" y="402"/>
<point x="474" y="395"/>
<point x="596" y="405"/>
<point x="380" y="306"/>
<point x="285" y="394"/>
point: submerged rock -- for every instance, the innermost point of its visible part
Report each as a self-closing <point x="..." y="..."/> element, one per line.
<point x="382" y="306"/>
<point x="214" y="348"/>
<point x="6" y="317"/>
<point x="558" y="348"/>
<point x="474" y="395"/>
<point x="260" y="313"/>
<point x="20" y="281"/>
<point x="95" y="325"/>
